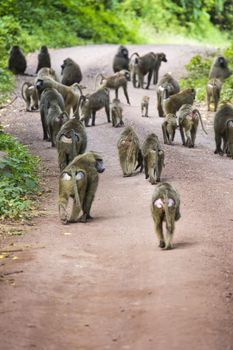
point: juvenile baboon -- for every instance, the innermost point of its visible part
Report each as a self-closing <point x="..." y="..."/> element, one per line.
<point x="69" y="93"/>
<point x="116" y="112"/>
<point x="165" y="207"/>
<point x="92" y="103"/>
<point x="167" y="86"/>
<point x="223" y="128"/>
<point x="43" y="58"/>
<point x="79" y="180"/>
<point x="129" y="151"/>
<point x="169" y="128"/>
<point x="173" y="103"/>
<point x="121" y="59"/>
<point x="49" y="97"/>
<point x="55" y="119"/>
<point x="71" y="72"/>
<point x="213" y="90"/>
<point x="30" y="96"/>
<point x="145" y="105"/>
<point x="143" y="65"/>
<point x="115" y="81"/>
<point x="219" y="69"/>
<point x="153" y="158"/>
<point x="17" y="62"/>
<point x="188" y="119"/>
<point x="71" y="141"/>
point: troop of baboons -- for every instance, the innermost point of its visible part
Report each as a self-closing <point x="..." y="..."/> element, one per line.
<point x="79" y="169"/>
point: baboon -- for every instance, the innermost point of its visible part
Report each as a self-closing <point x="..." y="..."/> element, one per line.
<point x="71" y="72"/>
<point x="92" y="103"/>
<point x="50" y="97"/>
<point x="223" y="128"/>
<point x="153" y="158"/>
<point x="116" y="112"/>
<point x="147" y="64"/>
<point x="129" y="151"/>
<point x="173" y="103"/>
<point x="169" y="128"/>
<point x="165" y="207"/>
<point x="43" y="58"/>
<point x="30" y="96"/>
<point x="47" y="73"/>
<point x="159" y="58"/>
<point x="71" y="141"/>
<point x="79" y="180"/>
<point x="17" y="62"/>
<point x="188" y="119"/>
<point x="167" y="86"/>
<point x="145" y="105"/>
<point x="219" y="69"/>
<point x="115" y="81"/>
<point x="213" y="90"/>
<point x="69" y="93"/>
<point x="121" y="59"/>
<point x="55" y="119"/>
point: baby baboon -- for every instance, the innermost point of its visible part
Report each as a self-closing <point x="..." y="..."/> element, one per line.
<point x="43" y="58"/>
<point x="173" y="103"/>
<point x="50" y="97"/>
<point x="79" y="180"/>
<point x="143" y="65"/>
<point x="129" y="151"/>
<point x="188" y="122"/>
<point x="121" y="59"/>
<point x="213" y="89"/>
<point x="69" y="93"/>
<point x="17" y="62"/>
<point x="71" y="141"/>
<point x="153" y="158"/>
<point x="223" y="128"/>
<point x="71" y="72"/>
<point x="30" y="96"/>
<point x="145" y="105"/>
<point x="167" y="86"/>
<point x="92" y="103"/>
<point x="169" y="128"/>
<point x="116" y="112"/>
<point x="219" y="69"/>
<point x="165" y="207"/>
<point x="115" y="81"/>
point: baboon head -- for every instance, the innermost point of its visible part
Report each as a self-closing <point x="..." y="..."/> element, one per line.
<point x="221" y="62"/>
<point x="67" y="62"/>
<point x="123" y="51"/>
<point x="162" y="57"/>
<point x="125" y="73"/>
<point x="44" y="49"/>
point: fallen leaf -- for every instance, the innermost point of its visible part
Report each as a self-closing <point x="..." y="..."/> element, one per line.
<point x="67" y="233"/>
<point x="15" y="258"/>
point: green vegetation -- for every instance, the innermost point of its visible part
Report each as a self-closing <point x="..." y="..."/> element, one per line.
<point x="17" y="179"/>
<point x="198" y="71"/>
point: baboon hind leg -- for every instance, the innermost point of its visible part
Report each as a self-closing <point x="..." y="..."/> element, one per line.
<point x="182" y="134"/>
<point x="159" y="232"/>
<point x="88" y="199"/>
<point x="126" y="94"/>
<point x="149" y="79"/>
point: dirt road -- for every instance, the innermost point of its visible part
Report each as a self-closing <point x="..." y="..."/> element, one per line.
<point x="106" y="284"/>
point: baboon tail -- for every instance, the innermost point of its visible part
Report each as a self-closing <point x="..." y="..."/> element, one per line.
<point x="199" y="115"/>
<point x="74" y="141"/>
<point x="76" y="195"/>
<point x="25" y="86"/>
<point x="96" y="79"/>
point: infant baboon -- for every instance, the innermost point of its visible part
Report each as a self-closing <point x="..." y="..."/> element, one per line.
<point x="223" y="128"/>
<point x="79" y="181"/>
<point x="145" y="105"/>
<point x="43" y="58"/>
<point x="121" y="59"/>
<point x="219" y="69"/>
<point x="165" y="207"/>
<point x="50" y="97"/>
<point x="30" y="96"/>
<point x="188" y="119"/>
<point x="153" y="158"/>
<point x="92" y="103"/>
<point x="116" y="112"/>
<point x="213" y="90"/>
<point x="115" y="81"/>
<point x="71" y="141"/>
<point x="167" y="86"/>
<point x="169" y="128"/>
<point x="173" y="103"/>
<point x="129" y="151"/>
<point x="17" y="62"/>
<point x="71" y="72"/>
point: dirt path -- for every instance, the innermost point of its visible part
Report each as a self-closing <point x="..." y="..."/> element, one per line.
<point x="106" y="284"/>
